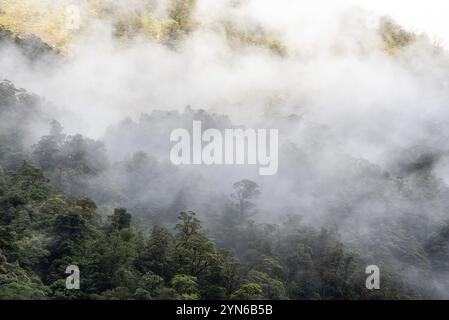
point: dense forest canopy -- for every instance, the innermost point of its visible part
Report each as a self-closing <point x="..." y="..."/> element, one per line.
<point x="85" y="177"/>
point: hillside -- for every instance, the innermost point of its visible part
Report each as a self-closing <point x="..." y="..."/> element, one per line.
<point x="86" y="176"/>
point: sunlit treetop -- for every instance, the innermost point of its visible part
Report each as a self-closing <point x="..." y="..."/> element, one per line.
<point x="164" y="21"/>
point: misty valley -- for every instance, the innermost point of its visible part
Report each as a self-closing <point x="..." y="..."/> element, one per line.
<point x="225" y="150"/>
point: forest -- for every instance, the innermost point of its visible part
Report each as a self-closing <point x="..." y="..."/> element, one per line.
<point x="42" y="232"/>
<point x="48" y="222"/>
<point x="85" y="176"/>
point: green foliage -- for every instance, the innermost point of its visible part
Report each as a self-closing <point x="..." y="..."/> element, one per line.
<point x="28" y="184"/>
<point x="180" y="19"/>
<point x="120" y="219"/>
<point x="256" y="36"/>
<point x="186" y="286"/>
<point x="17" y="284"/>
<point x="158" y="254"/>
<point x="42" y="232"/>
<point x="69" y="161"/>
<point x="195" y="253"/>
<point x="249" y="291"/>
<point x="393" y="36"/>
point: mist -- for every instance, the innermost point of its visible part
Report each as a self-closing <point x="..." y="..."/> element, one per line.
<point x="362" y="126"/>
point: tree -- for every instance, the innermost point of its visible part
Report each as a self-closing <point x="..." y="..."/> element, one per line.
<point x="186" y="286"/>
<point x="17" y="284"/>
<point x="244" y="192"/>
<point x="117" y="251"/>
<point x="70" y="235"/>
<point x="249" y="291"/>
<point x="194" y="252"/>
<point x="121" y="219"/>
<point x="232" y="272"/>
<point x="158" y="254"/>
<point x="46" y="152"/>
<point x="28" y="183"/>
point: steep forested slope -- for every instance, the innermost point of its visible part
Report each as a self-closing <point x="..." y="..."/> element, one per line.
<point x="119" y="210"/>
<point x="48" y="222"/>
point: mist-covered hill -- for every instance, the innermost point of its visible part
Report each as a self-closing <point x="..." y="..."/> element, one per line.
<point x="86" y="177"/>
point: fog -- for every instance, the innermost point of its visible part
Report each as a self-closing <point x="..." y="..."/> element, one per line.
<point x="355" y="120"/>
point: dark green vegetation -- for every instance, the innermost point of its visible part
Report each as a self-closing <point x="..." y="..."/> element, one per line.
<point x="42" y="232"/>
<point x="48" y="222"/>
<point x="119" y="212"/>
